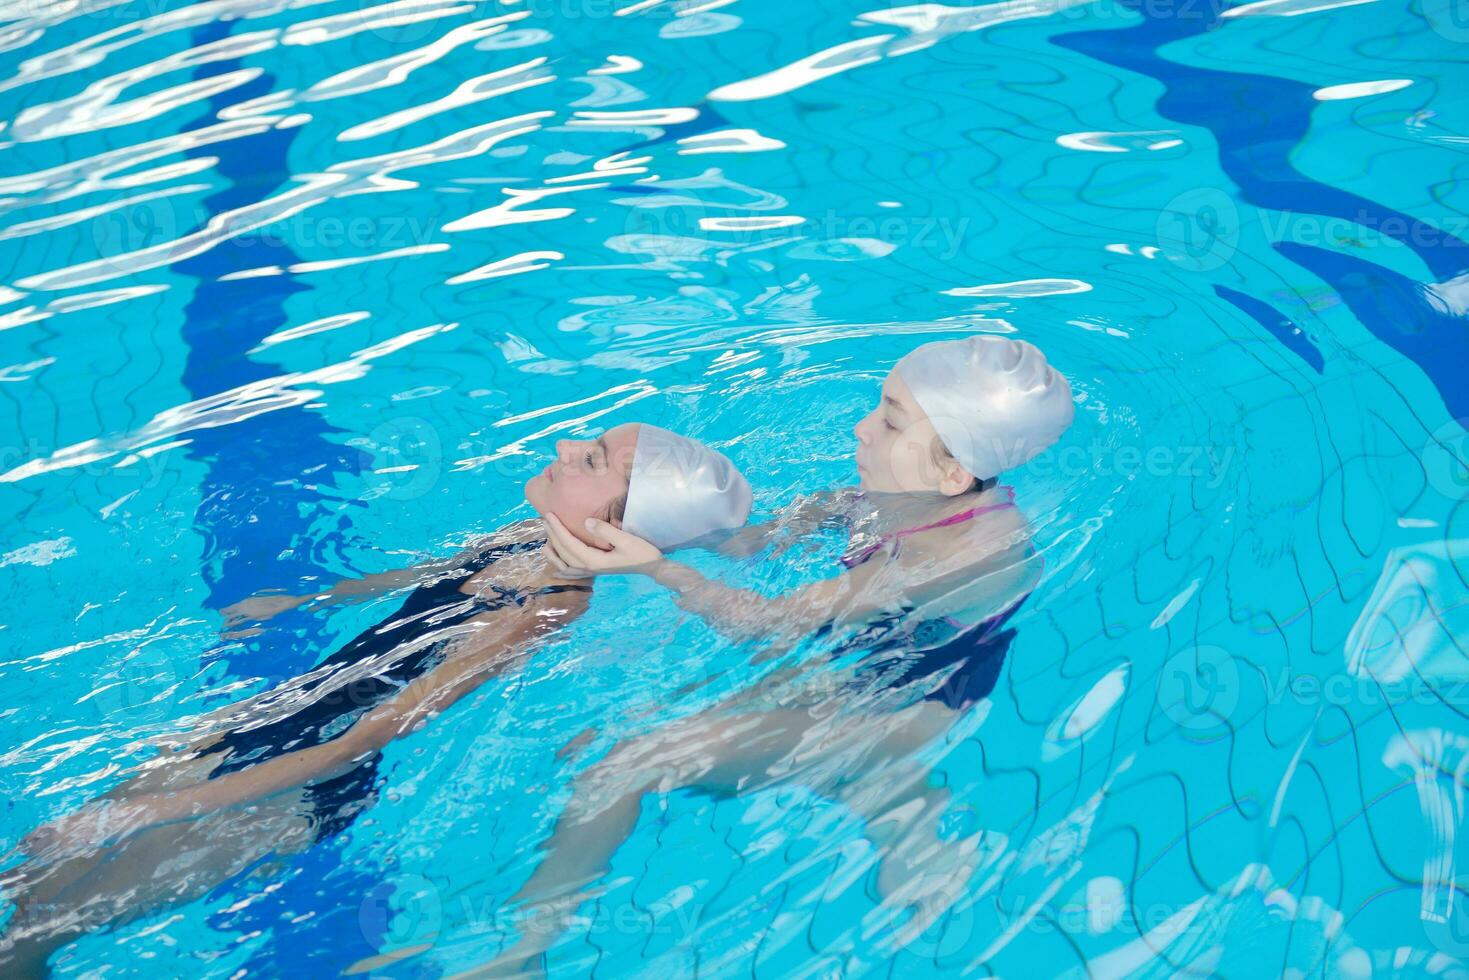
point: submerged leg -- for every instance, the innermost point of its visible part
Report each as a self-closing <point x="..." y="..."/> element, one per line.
<point x="919" y="872"/>
<point x="167" y="772"/>
<point x="143" y="874"/>
<point x="727" y="754"/>
<point x="720" y="754"/>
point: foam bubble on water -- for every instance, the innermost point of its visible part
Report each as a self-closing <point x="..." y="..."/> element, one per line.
<point x="617" y="64"/>
<point x="1119" y="142"/>
<point x="926" y="24"/>
<point x="728" y="141"/>
<point x="1289" y="8"/>
<point x="1023" y="288"/>
<point x="1085" y="716"/>
<point x="39" y="553"/>
<point x="1360" y="90"/>
<point x="514" y="265"/>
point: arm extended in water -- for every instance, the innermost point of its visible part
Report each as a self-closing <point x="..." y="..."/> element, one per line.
<point x="803" y="516"/>
<point x="992" y="561"/>
<point x="478" y="657"/>
<point x="264" y="605"/>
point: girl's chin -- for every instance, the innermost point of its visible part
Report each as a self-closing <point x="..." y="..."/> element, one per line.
<point x="532" y="492"/>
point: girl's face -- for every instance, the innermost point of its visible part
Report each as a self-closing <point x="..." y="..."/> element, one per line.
<point x="898" y="450"/>
<point x="586" y="477"/>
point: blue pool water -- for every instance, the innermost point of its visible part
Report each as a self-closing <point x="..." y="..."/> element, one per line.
<point x="301" y="289"/>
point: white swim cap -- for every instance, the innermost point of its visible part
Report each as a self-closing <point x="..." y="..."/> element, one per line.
<point x="994" y="402"/>
<point x="680" y="490"/>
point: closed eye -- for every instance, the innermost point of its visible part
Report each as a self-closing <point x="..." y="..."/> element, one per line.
<point x="890" y="425"/>
<point x="589" y="460"/>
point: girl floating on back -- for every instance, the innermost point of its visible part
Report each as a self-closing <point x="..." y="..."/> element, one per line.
<point x="305" y="773"/>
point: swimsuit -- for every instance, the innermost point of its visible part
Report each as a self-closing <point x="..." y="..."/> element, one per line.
<point x="968" y="656"/>
<point x="439" y="606"/>
<point x="852" y="561"/>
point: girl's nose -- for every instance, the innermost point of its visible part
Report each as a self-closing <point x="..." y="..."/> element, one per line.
<point x="860" y="431"/>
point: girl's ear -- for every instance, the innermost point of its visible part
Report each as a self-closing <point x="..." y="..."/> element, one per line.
<point x="955" y="480"/>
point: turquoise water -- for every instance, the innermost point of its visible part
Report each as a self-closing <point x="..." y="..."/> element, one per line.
<point x="300" y="290"/>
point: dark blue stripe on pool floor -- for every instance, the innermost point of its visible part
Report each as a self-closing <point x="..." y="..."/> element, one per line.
<point x="1276" y="323"/>
<point x="1258" y="121"/>
<point x="255" y="517"/>
<point x="1397" y="310"/>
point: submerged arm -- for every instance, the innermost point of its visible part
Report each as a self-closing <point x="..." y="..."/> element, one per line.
<point x="885" y="583"/>
<point x="739" y="613"/>
<point x="800" y="518"/>
<point x="262" y="606"/>
<point x="477" y="659"/>
<point x="746" y="615"/>
<point x="991" y="580"/>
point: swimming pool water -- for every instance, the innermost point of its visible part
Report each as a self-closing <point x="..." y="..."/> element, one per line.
<point x="300" y="289"/>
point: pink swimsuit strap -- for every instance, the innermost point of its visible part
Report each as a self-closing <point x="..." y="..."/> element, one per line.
<point x="853" y="560"/>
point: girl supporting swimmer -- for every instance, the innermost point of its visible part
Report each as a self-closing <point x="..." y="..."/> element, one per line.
<point x="939" y="560"/>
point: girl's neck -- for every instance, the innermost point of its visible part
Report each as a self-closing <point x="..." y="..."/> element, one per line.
<point x="527" y="571"/>
<point x="895" y="511"/>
